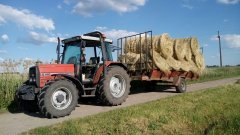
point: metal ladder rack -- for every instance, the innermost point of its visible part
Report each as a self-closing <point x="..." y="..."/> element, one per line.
<point x="143" y="62"/>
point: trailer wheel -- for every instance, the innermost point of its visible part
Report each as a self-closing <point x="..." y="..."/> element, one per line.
<point x="182" y="87"/>
<point x="58" y="99"/>
<point x="115" y="87"/>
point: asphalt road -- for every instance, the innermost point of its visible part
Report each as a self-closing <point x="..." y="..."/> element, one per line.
<point x="15" y="123"/>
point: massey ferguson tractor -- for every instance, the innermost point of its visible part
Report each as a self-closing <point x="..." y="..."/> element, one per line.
<point x="85" y="68"/>
<point x="54" y="89"/>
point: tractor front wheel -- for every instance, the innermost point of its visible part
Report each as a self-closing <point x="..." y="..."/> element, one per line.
<point x="58" y="99"/>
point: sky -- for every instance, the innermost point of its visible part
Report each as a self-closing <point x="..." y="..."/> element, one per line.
<point x="29" y="29"/>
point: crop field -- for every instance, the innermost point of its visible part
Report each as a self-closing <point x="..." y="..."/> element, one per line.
<point x="9" y="83"/>
<point x="210" y="111"/>
<point x="217" y="73"/>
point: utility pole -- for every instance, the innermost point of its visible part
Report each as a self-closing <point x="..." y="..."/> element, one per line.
<point x="220" y="49"/>
<point x="201" y="49"/>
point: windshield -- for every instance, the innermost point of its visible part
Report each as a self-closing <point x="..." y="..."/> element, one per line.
<point x="109" y="51"/>
<point x="71" y="54"/>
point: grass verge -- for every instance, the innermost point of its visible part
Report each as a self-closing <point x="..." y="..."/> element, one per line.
<point x="210" y="74"/>
<point x="211" y="111"/>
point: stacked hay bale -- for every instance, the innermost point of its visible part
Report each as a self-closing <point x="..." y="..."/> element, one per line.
<point x="168" y="54"/>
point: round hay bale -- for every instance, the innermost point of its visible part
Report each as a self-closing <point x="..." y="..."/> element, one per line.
<point x="161" y="63"/>
<point x="199" y="61"/>
<point x="166" y="46"/>
<point x="174" y="64"/>
<point x="180" y="49"/>
<point x="185" y="66"/>
<point x="126" y="46"/>
<point x="132" y="58"/>
<point x="155" y="42"/>
<point x="194" y="45"/>
<point x="188" y="54"/>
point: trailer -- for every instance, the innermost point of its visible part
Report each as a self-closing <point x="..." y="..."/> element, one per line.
<point x="146" y="71"/>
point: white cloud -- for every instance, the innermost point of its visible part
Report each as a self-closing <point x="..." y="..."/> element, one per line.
<point x="4" y="38"/>
<point x="67" y="2"/>
<point x="27" y="58"/>
<point x="24" y="18"/>
<point x="3" y="51"/>
<point x="89" y="7"/>
<point x="114" y="33"/>
<point x="228" y="1"/>
<point x="2" y="20"/>
<point x="187" y="6"/>
<point x="99" y="28"/>
<point x="205" y="45"/>
<point x="38" y="38"/>
<point x="22" y="48"/>
<point x="59" y="6"/>
<point x="1" y="59"/>
<point x="225" y="20"/>
<point x="231" y="40"/>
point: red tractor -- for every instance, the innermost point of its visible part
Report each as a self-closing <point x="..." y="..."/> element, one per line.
<point x="54" y="89"/>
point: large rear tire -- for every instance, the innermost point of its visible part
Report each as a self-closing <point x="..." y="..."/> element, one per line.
<point x="115" y="87"/>
<point x="58" y="99"/>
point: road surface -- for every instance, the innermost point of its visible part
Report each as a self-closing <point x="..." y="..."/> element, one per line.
<point x="19" y="122"/>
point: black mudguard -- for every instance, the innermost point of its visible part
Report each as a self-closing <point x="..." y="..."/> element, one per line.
<point x="26" y="92"/>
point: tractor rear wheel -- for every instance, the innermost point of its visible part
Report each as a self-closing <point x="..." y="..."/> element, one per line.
<point x="58" y="99"/>
<point x="115" y="87"/>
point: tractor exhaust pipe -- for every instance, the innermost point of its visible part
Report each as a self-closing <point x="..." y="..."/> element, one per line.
<point x="58" y="51"/>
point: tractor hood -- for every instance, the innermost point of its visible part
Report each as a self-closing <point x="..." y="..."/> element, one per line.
<point x="51" y="69"/>
<point x="46" y="72"/>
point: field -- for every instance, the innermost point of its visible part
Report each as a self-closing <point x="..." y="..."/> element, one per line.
<point x="217" y="73"/>
<point x="211" y="111"/>
<point x="10" y="82"/>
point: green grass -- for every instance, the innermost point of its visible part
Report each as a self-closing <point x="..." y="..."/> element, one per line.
<point x="210" y="74"/>
<point x="9" y="83"/>
<point x="211" y="111"/>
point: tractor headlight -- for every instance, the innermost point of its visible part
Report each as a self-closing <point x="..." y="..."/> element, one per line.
<point x="32" y="75"/>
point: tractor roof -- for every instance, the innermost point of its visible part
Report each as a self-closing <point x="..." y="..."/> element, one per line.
<point x="93" y="36"/>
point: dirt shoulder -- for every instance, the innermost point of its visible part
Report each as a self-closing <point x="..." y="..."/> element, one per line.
<point x="20" y="122"/>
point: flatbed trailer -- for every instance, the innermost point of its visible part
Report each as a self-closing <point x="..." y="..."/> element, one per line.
<point x="146" y="71"/>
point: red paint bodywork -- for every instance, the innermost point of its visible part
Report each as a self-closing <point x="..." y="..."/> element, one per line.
<point x="46" y="70"/>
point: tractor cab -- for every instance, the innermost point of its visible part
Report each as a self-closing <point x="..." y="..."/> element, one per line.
<point x="87" y="52"/>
